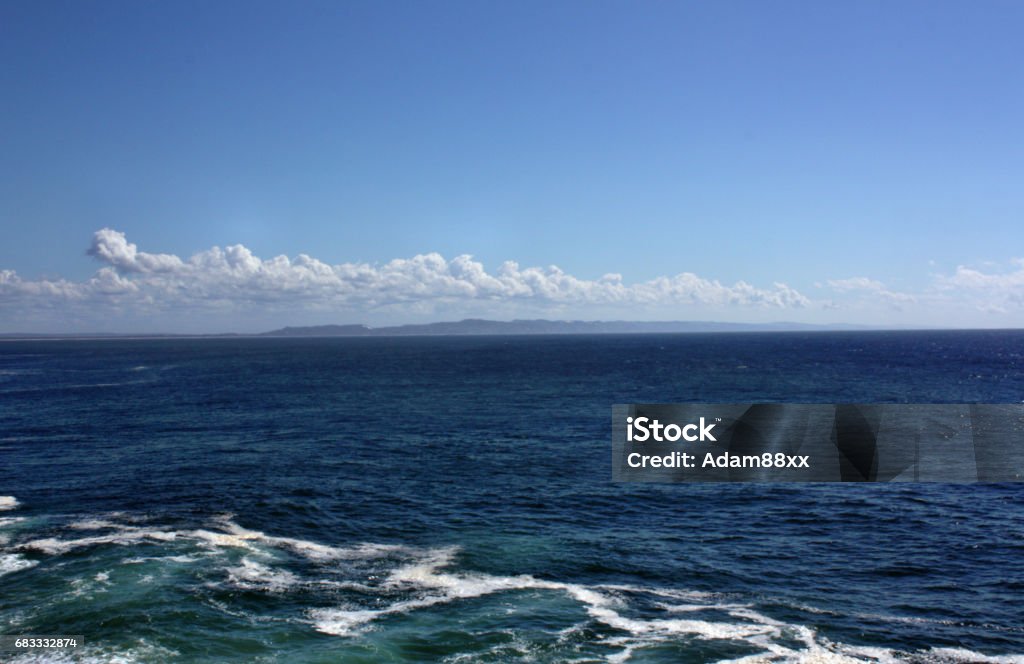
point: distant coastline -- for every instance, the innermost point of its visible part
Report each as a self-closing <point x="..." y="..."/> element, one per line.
<point x="478" y="327"/>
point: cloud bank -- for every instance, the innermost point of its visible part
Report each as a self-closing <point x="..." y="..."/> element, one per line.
<point x="233" y="282"/>
<point x="235" y="277"/>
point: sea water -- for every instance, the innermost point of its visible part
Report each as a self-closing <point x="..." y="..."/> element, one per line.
<point x="450" y="500"/>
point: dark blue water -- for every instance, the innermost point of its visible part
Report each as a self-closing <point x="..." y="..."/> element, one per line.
<point x="449" y="499"/>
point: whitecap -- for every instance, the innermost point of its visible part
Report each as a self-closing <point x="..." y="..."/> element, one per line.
<point x="228" y="535"/>
<point x="238" y="536"/>
<point x="602" y="606"/>
<point x="611" y="605"/>
<point x="14" y="562"/>
<point x="252" y="575"/>
<point x="126" y="537"/>
<point x="8" y="503"/>
<point x="96" y="524"/>
<point x="954" y="655"/>
<point x="406" y="579"/>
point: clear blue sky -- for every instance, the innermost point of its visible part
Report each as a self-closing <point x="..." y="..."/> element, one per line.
<point x="794" y="142"/>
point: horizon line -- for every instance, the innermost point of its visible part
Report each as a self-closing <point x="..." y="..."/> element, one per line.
<point x="424" y="329"/>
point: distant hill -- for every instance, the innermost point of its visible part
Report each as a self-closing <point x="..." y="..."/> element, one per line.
<point x="474" y="326"/>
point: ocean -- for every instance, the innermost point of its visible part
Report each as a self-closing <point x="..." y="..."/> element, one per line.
<point x="449" y="499"/>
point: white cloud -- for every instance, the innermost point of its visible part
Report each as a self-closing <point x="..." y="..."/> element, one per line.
<point x="111" y="247"/>
<point x="13" y="286"/>
<point x="234" y="277"/>
<point x="1006" y="282"/>
<point x="231" y="288"/>
<point x="871" y="287"/>
<point x="996" y="291"/>
<point x="953" y="299"/>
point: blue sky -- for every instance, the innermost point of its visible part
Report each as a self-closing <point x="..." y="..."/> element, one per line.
<point x="866" y="155"/>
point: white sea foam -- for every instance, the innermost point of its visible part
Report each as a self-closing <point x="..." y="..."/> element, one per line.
<point x="97" y="524"/>
<point x="623" y="655"/>
<point x="252" y="575"/>
<point x="604" y="606"/>
<point x="403" y="579"/>
<point x="227" y="534"/>
<point x="14" y="562"/>
<point x="611" y="606"/>
<point x="233" y="534"/>
<point x="8" y="503"/>
<point x="215" y="539"/>
<point x="127" y="537"/>
<point x="963" y="655"/>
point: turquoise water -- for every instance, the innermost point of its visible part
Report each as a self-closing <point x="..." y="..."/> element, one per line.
<point x="449" y="500"/>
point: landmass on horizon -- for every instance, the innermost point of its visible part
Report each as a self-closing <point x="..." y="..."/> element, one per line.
<point x="483" y="327"/>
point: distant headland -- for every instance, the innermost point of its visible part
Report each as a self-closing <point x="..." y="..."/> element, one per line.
<point x="476" y="326"/>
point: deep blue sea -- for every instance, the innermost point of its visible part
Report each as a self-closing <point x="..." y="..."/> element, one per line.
<point x="450" y="500"/>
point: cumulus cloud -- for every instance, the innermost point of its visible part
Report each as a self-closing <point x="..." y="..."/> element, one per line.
<point x="965" y="277"/>
<point x="994" y="292"/>
<point x="999" y="291"/>
<point x="112" y="247"/>
<point x="234" y="276"/>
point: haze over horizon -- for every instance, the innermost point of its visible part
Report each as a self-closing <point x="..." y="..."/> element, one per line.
<point x="207" y="167"/>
